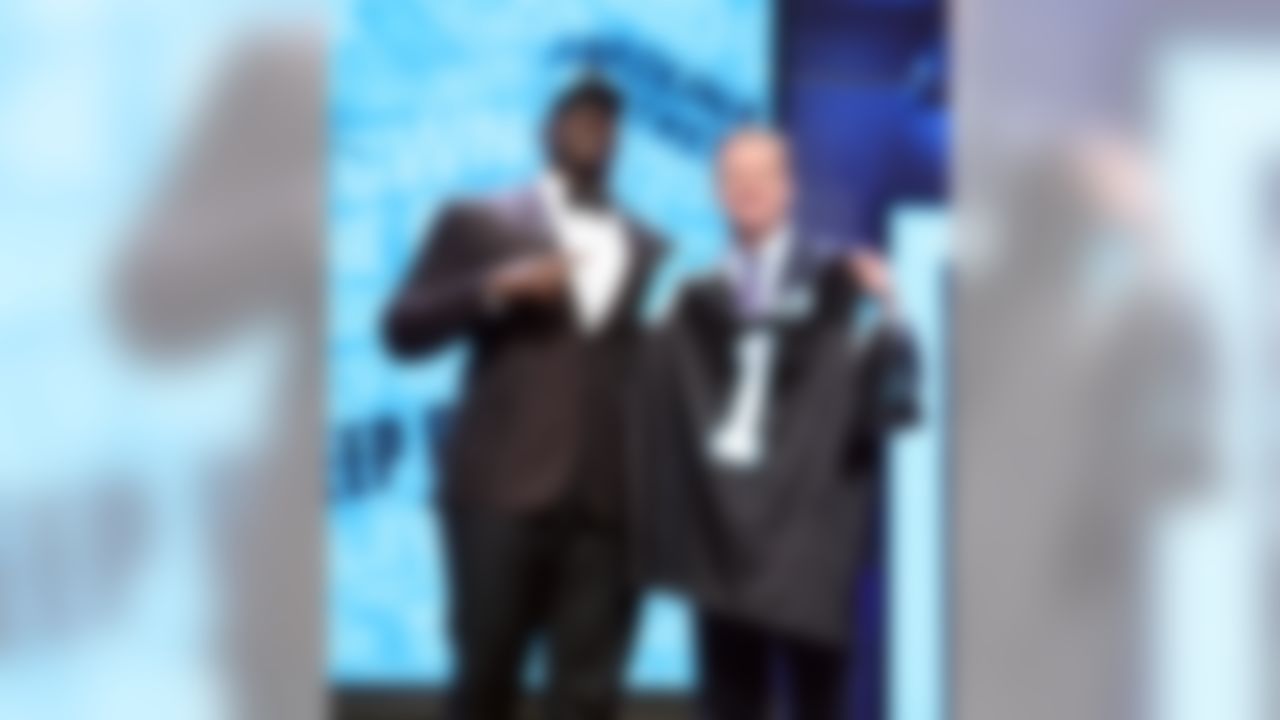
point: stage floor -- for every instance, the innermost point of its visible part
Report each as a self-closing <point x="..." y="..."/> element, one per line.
<point x="407" y="704"/>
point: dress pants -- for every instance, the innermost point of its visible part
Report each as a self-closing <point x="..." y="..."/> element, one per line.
<point x="555" y="575"/>
<point x="747" y="672"/>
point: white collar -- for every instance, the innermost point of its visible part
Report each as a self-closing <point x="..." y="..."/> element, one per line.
<point x="553" y="191"/>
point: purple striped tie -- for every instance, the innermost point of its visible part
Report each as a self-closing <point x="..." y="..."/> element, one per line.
<point x="749" y="286"/>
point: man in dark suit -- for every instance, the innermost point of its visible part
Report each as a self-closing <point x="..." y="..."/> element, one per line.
<point x="761" y="409"/>
<point x="545" y="285"/>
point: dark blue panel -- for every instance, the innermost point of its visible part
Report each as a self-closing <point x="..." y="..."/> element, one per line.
<point x="861" y="88"/>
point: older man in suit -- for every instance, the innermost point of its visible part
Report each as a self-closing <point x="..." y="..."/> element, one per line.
<point x="545" y="285"/>
<point x="760" y="412"/>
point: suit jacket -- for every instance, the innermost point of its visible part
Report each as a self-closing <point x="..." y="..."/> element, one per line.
<point x="776" y="543"/>
<point x="540" y="420"/>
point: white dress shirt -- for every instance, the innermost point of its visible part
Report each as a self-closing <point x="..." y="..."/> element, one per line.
<point x="756" y="273"/>
<point x="599" y="255"/>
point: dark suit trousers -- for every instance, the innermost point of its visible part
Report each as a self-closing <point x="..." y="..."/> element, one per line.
<point x="747" y="672"/>
<point x="552" y="574"/>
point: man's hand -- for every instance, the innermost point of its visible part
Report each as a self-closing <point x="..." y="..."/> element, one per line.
<point x="541" y="278"/>
<point x="869" y="270"/>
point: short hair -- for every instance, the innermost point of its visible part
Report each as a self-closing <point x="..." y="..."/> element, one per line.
<point x="757" y="132"/>
<point x="592" y="92"/>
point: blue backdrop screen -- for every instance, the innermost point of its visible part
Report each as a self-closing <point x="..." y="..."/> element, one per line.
<point x="431" y="100"/>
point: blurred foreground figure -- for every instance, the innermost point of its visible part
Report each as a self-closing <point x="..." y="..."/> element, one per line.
<point x="544" y="285"/>
<point x="234" y="242"/>
<point x="761" y="412"/>
<point x="1073" y="449"/>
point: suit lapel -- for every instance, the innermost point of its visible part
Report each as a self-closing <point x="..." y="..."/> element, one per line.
<point x="527" y="211"/>
<point x="644" y="253"/>
<point x="527" y="230"/>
